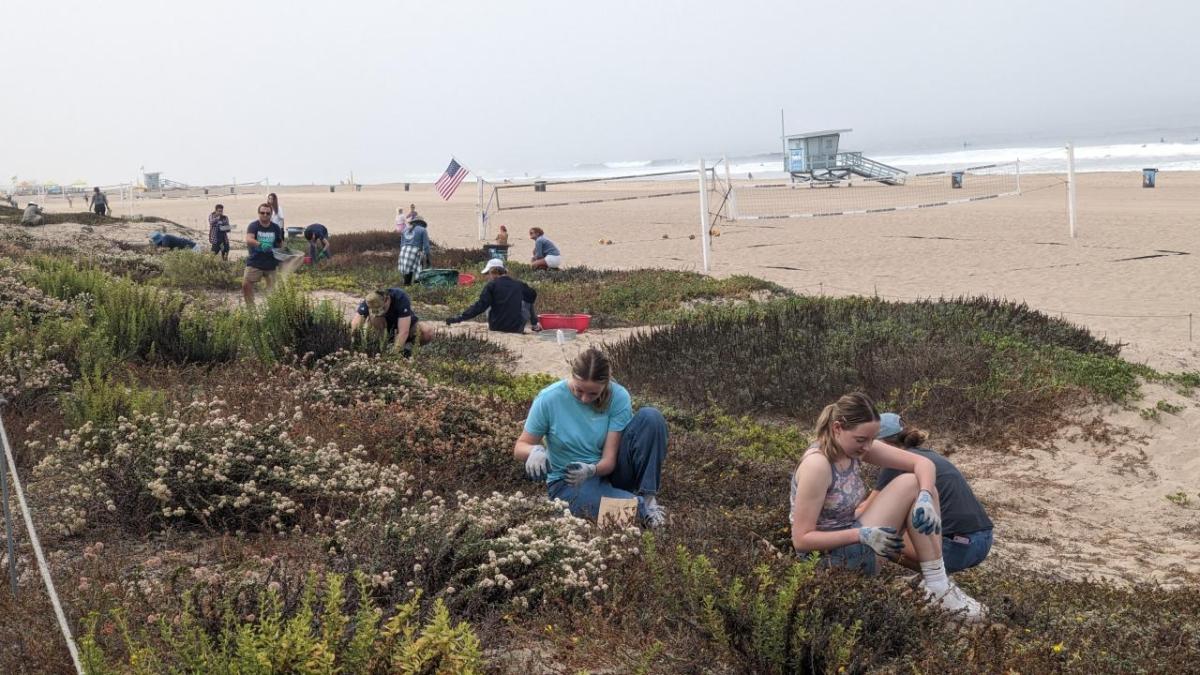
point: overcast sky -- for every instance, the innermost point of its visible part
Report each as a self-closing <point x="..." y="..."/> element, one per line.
<point x="304" y="91"/>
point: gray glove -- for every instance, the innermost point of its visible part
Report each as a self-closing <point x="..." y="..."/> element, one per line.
<point x="537" y="463"/>
<point x="882" y="540"/>
<point x="925" y="518"/>
<point x="578" y="472"/>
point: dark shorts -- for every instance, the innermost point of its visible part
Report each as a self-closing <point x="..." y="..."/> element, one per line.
<point x="854" y="557"/>
<point x="99" y="209"/>
<point x="412" y="332"/>
<point x="963" y="551"/>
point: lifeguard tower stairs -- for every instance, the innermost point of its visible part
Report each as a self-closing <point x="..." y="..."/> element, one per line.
<point x="814" y="158"/>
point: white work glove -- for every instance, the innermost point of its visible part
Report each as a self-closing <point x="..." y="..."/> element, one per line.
<point x="537" y="463"/>
<point x="925" y="518"/>
<point x="882" y="540"/>
<point x="578" y="472"/>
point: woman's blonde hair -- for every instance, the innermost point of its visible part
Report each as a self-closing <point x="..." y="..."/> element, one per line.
<point x="593" y="366"/>
<point x="850" y="410"/>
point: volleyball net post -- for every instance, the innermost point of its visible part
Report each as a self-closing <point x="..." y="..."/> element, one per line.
<point x="704" y="245"/>
<point x="1071" y="187"/>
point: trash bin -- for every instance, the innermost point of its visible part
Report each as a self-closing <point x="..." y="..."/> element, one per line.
<point x="406" y="187"/>
<point x="956" y="179"/>
<point x="539" y="186"/>
<point x="498" y="251"/>
<point x="1148" y="176"/>
<point x="331" y="188"/>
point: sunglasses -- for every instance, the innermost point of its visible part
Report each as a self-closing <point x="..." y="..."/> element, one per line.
<point x="264" y="213"/>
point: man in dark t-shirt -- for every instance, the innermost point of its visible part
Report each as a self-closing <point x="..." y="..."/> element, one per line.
<point x="262" y="237"/>
<point x="390" y="312"/>
<point x="317" y="236"/>
<point x="508" y="302"/>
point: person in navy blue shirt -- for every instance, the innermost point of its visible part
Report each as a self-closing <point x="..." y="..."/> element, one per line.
<point x="170" y="241"/>
<point x="389" y="312"/>
<point x="508" y="302"/>
<point x="317" y="236"/>
<point x="262" y="237"/>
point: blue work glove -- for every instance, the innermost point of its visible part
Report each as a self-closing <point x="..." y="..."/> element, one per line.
<point x="925" y="518"/>
<point x="882" y="540"/>
<point x="578" y="472"/>
<point x="538" y="463"/>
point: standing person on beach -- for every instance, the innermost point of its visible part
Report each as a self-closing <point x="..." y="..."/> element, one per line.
<point x="263" y="237"/>
<point x="502" y="236"/>
<point x="389" y="312"/>
<point x="412" y="214"/>
<point x="98" y="201"/>
<point x="276" y="210"/>
<point x="583" y="438"/>
<point x="218" y="231"/>
<point x="317" y="236"/>
<point x="508" y="302"/>
<point x="827" y="489"/>
<point x="401" y="220"/>
<point x="545" y="253"/>
<point x="414" y="250"/>
<point x="966" y="529"/>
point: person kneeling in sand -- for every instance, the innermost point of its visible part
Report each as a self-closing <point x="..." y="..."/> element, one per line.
<point x="545" y="253"/>
<point x="508" y="302"/>
<point x="966" y="529"/>
<point x="584" y="439"/>
<point x="33" y="215"/>
<point x="826" y="491"/>
<point x="389" y="312"/>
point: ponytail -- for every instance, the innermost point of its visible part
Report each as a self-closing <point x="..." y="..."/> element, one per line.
<point x="850" y="410"/>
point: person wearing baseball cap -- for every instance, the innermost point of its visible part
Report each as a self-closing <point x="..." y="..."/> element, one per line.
<point x="508" y="302"/>
<point x="389" y="311"/>
<point x="966" y="528"/>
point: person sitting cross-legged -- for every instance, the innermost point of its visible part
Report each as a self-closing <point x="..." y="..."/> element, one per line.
<point x="508" y="302"/>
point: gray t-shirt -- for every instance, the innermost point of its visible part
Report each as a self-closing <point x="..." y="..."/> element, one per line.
<point x="99" y="198"/>
<point x="961" y="511"/>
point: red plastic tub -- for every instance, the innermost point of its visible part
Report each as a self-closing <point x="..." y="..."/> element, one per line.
<point x="577" y="322"/>
<point x="465" y="279"/>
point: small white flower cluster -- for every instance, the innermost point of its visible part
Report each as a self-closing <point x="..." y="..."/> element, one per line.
<point x="209" y="467"/>
<point x="26" y="374"/>
<point x="353" y="377"/>
<point x="18" y="297"/>
<point x="496" y="548"/>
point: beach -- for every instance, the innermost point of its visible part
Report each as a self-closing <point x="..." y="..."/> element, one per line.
<point x="1129" y="275"/>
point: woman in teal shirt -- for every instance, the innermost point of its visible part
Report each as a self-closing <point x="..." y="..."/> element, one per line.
<point x="584" y="439"/>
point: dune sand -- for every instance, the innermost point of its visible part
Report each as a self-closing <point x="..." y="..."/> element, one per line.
<point x="1130" y="275"/>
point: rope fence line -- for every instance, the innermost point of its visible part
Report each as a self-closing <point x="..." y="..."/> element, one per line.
<point x="43" y="568"/>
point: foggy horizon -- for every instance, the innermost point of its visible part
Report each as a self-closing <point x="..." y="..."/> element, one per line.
<point x="307" y="92"/>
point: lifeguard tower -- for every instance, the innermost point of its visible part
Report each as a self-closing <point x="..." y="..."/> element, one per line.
<point x="814" y="158"/>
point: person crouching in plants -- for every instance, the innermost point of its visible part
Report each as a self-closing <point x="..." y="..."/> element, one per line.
<point x="584" y="439"/>
<point x="389" y="312"/>
<point x="826" y="491"/>
<point x="317" y="236"/>
<point x="508" y="302"/>
<point x="966" y="529"/>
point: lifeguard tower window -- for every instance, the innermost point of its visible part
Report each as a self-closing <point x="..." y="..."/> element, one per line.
<point x="814" y="158"/>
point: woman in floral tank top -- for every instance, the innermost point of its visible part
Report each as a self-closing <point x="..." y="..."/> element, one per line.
<point x="827" y="490"/>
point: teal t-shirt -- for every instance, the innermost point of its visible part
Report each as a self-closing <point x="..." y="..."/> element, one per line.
<point x="573" y="431"/>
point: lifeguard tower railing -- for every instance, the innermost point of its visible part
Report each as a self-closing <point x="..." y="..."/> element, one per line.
<point x="840" y="166"/>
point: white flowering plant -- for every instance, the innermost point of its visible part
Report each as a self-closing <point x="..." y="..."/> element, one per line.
<point x="206" y="467"/>
<point x="478" y="552"/>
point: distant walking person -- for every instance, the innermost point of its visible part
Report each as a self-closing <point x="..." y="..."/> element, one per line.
<point x="414" y="250"/>
<point x="98" y="202"/>
<point x="276" y="210"/>
<point x="545" y="253"/>
<point x="218" y="232"/>
<point x="508" y="302"/>
<point x="401" y="220"/>
<point x="262" y="237"/>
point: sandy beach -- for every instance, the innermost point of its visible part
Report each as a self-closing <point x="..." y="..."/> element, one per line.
<point x="1130" y="275"/>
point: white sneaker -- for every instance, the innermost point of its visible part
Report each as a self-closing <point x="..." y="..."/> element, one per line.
<point x="955" y="601"/>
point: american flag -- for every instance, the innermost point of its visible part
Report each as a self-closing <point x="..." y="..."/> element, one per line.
<point x="448" y="183"/>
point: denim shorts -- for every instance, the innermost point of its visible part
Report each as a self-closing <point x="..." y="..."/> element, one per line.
<point x="962" y="551"/>
<point x="855" y="557"/>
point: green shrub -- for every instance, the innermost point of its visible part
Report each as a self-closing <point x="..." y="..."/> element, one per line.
<point x="188" y="269"/>
<point x="291" y="322"/>
<point x="336" y="634"/>
<point x="98" y="398"/>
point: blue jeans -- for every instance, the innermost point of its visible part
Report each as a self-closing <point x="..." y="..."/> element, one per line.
<point x="638" y="471"/>
<point x="962" y="551"/>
